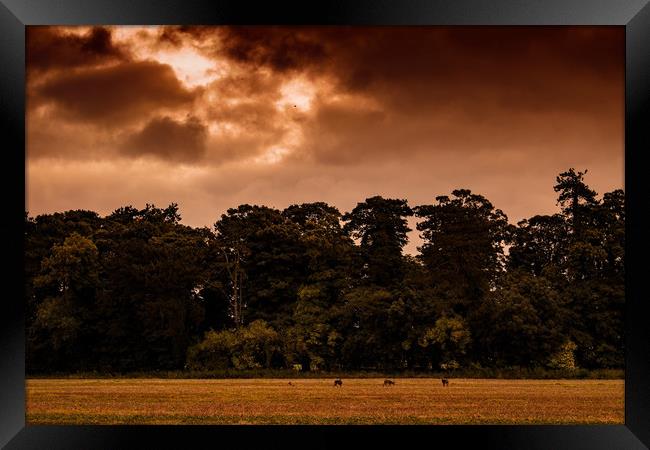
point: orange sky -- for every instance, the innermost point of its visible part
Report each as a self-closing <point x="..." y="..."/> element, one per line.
<point x="213" y="117"/>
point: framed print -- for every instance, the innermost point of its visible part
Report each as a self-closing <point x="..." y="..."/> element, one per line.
<point x="356" y="222"/>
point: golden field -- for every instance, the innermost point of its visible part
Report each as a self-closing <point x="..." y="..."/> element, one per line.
<point x="316" y="401"/>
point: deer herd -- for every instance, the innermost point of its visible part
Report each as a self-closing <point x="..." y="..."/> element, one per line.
<point x="339" y="383"/>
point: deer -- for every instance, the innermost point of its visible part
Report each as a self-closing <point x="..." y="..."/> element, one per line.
<point x="290" y="383"/>
<point x="338" y="382"/>
<point x="445" y="382"/>
<point x="389" y="383"/>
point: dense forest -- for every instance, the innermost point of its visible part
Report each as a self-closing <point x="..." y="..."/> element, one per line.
<point x="310" y="288"/>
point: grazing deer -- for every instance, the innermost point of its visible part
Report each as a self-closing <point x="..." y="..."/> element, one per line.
<point x="338" y="382"/>
<point x="290" y="383"/>
<point x="445" y="382"/>
<point x="389" y="383"/>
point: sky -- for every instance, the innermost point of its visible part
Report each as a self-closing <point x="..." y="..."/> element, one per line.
<point x="214" y="117"/>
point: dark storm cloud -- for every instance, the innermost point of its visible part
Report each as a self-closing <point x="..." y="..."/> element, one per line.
<point x="51" y="48"/>
<point x="284" y="115"/>
<point x="168" y="139"/>
<point x="481" y="68"/>
<point x="282" y="49"/>
<point x="176" y="35"/>
<point x="426" y="66"/>
<point x="432" y="88"/>
<point x="461" y="89"/>
<point x="363" y="57"/>
<point x="116" y="94"/>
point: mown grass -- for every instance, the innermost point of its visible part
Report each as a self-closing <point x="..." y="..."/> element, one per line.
<point x="316" y="401"/>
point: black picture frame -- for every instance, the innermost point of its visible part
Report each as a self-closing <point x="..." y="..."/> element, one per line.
<point x="634" y="15"/>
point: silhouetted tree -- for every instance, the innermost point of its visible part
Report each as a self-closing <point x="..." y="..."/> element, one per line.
<point x="137" y="290"/>
<point x="463" y="247"/>
<point x="381" y="227"/>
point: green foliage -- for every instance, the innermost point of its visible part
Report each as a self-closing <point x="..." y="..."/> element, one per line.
<point x="381" y="227"/>
<point x="263" y="258"/>
<point x="57" y="318"/>
<point x="252" y="347"/>
<point x="72" y="266"/>
<point x="539" y="244"/>
<point x="447" y="340"/>
<point x="68" y="281"/>
<point x="213" y="352"/>
<point x="520" y="323"/>
<point x="463" y="246"/>
<point x="575" y="197"/>
<point x="312" y="346"/>
<point x="564" y="358"/>
<point x="314" y="289"/>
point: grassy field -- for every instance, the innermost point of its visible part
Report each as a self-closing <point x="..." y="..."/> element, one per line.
<point x="316" y="401"/>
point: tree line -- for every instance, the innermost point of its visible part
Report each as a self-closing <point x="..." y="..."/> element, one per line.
<point x="310" y="288"/>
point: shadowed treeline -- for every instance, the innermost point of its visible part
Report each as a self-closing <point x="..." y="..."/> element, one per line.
<point x="309" y="288"/>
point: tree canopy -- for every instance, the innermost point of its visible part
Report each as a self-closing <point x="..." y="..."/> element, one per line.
<point x="312" y="288"/>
